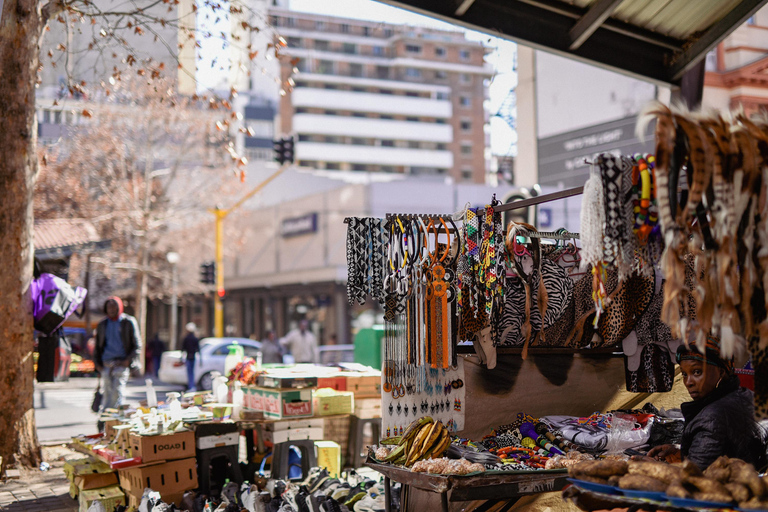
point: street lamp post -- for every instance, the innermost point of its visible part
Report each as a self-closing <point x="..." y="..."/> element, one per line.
<point x="173" y="259"/>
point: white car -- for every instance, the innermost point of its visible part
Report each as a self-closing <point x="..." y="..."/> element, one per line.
<point x="213" y="352"/>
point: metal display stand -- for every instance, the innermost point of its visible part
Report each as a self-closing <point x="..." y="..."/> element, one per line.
<point x="487" y="486"/>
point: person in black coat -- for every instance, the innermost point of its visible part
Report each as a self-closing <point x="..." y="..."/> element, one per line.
<point x="721" y="418"/>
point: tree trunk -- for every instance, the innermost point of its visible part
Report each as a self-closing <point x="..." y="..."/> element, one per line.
<point x="21" y="23"/>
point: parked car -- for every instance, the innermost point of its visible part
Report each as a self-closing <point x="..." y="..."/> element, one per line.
<point x="213" y="352"/>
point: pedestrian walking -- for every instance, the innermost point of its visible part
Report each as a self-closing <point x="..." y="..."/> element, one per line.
<point x="155" y="349"/>
<point x="191" y="345"/>
<point x="271" y="351"/>
<point x="118" y="346"/>
<point x="302" y="343"/>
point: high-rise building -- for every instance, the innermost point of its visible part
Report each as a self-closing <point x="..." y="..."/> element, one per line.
<point x="383" y="98"/>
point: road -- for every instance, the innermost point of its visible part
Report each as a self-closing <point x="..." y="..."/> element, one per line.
<point x="63" y="409"/>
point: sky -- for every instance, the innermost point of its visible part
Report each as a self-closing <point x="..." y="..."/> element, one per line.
<point x="503" y="138"/>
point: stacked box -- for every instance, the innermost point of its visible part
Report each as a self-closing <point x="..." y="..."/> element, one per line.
<point x="168" y="466"/>
<point x="110" y="497"/>
<point x="328" y="402"/>
<point x="88" y="474"/>
<point x="337" y="382"/>
<point x="279" y="403"/>
<point x="329" y="457"/>
<point x="364" y="385"/>
<point x="336" y="429"/>
<point x="294" y="430"/>
<point x="368" y="407"/>
<point x="287" y="381"/>
<point x="171" y="479"/>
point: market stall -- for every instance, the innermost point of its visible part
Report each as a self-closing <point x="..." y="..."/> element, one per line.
<point x="670" y="254"/>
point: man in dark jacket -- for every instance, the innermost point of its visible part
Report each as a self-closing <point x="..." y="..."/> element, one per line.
<point x="191" y="345"/>
<point x="118" y="346"/>
<point x="720" y="419"/>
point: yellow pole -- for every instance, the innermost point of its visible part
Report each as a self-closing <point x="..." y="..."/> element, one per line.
<point x="218" y="308"/>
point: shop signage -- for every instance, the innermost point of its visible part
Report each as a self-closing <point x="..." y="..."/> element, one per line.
<point x="299" y="225"/>
<point x="563" y="158"/>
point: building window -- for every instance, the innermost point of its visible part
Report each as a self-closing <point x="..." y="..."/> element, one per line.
<point x="441" y="75"/>
<point x="366" y="31"/>
<point x="441" y="146"/>
<point x="330" y="86"/>
<point x="331" y="113"/>
<point x="357" y="141"/>
<point x="359" y="114"/>
<point x="413" y="144"/>
<point x="466" y="148"/>
<point x="439" y="51"/>
<point x="294" y="42"/>
<point x="333" y="166"/>
<point x="464" y="54"/>
<point x="322" y="46"/>
<point x="466" y="173"/>
<point x="378" y="51"/>
<point x="359" y="167"/>
<point x="386" y="117"/>
<point x="382" y="72"/>
<point x="358" y="89"/>
<point x="325" y="67"/>
<point x="388" y="32"/>
<point x="302" y="65"/>
<point x="332" y="139"/>
<point x="412" y="48"/>
<point x="385" y="91"/>
<point x="412" y="94"/>
<point x="302" y="110"/>
<point x="466" y="125"/>
<point x="349" y="48"/>
<point x="443" y="96"/>
<point x="355" y="70"/>
<point x="412" y="119"/>
<point x="413" y="72"/>
<point x="388" y="143"/>
<point x="466" y="78"/>
<point x="319" y="25"/>
<point x="305" y="138"/>
<point x="465" y="101"/>
<point x="440" y="121"/>
<point x="344" y="28"/>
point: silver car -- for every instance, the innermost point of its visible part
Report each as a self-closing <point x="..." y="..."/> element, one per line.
<point x="213" y="352"/>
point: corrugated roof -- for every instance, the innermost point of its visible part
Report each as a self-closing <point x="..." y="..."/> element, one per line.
<point x="658" y="40"/>
<point x="59" y="233"/>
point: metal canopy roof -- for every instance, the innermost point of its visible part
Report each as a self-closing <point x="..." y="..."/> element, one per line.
<point x="657" y="40"/>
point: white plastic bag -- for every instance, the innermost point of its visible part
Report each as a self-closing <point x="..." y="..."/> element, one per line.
<point x="97" y="506"/>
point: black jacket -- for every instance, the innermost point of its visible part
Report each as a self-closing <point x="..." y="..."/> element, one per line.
<point x="129" y="332"/>
<point x="723" y="423"/>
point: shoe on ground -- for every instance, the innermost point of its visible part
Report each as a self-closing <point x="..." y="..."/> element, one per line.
<point x="370" y="504"/>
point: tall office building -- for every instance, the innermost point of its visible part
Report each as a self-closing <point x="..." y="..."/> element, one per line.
<point x="383" y="98"/>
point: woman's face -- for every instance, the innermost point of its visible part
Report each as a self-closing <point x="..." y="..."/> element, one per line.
<point x="700" y="381"/>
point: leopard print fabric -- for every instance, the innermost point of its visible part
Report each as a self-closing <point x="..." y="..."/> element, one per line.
<point x="656" y="372"/>
<point x="760" y="365"/>
<point x="625" y="309"/>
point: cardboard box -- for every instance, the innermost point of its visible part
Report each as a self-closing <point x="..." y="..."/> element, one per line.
<point x="339" y="382"/>
<point x="329" y="457"/>
<point x="71" y="464"/>
<point x="206" y="442"/>
<point x="89" y="481"/>
<point x="110" y="497"/>
<point x="328" y="402"/>
<point x="294" y="434"/>
<point x="172" y="446"/>
<point x="364" y="385"/>
<point x="287" y="381"/>
<point x="368" y="407"/>
<point x="74" y="492"/>
<point x="279" y="403"/>
<point x="171" y="477"/>
<point x="276" y="426"/>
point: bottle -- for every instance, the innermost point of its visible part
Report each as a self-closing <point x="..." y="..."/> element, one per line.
<point x="238" y="398"/>
<point x="151" y="394"/>
<point x="235" y="356"/>
<point x="222" y="391"/>
<point x="175" y="407"/>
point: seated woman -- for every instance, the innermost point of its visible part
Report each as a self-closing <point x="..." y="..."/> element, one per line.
<point x="720" y="419"/>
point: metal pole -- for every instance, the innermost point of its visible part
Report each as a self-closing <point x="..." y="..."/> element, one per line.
<point x="174" y="307"/>
<point x="218" y="311"/>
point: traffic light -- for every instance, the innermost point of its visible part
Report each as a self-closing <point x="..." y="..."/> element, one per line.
<point x="284" y="150"/>
<point x="208" y="272"/>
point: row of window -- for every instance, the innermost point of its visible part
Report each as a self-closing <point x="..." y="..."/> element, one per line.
<point x="322" y="26"/>
<point x="370" y="90"/>
<point x="330" y="67"/>
<point x="365" y="141"/>
<point x="353" y="49"/>
<point x="464" y="124"/>
<point x="466" y="171"/>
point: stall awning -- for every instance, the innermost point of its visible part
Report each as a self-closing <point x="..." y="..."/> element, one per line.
<point x="657" y="40"/>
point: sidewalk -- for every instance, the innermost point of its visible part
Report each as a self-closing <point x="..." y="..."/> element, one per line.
<point x="40" y="491"/>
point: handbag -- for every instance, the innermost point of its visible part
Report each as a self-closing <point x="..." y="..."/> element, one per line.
<point x="96" y="404"/>
<point x="53" y="301"/>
